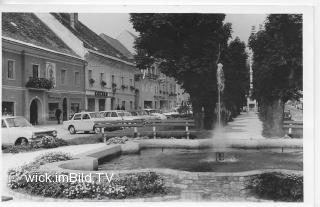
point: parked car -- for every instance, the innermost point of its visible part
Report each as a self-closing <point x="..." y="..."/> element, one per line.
<point x="118" y="115"/>
<point x="84" y="121"/>
<point x="16" y="130"/>
<point x="156" y="112"/>
<point x="171" y="113"/>
<point x="141" y="114"/>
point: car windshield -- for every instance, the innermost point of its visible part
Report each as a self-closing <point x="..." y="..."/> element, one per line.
<point x="125" y="113"/>
<point x="96" y="115"/>
<point x="18" y="122"/>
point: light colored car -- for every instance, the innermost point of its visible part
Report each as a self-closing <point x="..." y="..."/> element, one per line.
<point x="171" y="113"/>
<point x="141" y="114"/>
<point x="157" y="113"/>
<point x="118" y="115"/>
<point x="16" y="130"/>
<point x="84" y="121"/>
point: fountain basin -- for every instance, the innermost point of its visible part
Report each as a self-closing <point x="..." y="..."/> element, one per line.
<point x="193" y="185"/>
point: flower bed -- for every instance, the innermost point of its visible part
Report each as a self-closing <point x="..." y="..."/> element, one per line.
<point x="116" y="140"/>
<point x="44" y="143"/>
<point x="131" y="185"/>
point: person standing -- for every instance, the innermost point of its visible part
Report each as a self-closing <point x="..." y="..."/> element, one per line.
<point x="58" y="114"/>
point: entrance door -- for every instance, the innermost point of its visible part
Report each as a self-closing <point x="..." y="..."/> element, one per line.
<point x="102" y="104"/>
<point x="64" y="109"/>
<point x="34" y="112"/>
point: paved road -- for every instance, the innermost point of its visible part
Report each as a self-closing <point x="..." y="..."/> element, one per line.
<point x="63" y="133"/>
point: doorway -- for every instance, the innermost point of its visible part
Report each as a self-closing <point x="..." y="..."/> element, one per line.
<point x="64" y="109"/>
<point x="34" y="109"/>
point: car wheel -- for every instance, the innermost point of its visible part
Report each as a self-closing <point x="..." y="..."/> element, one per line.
<point x="96" y="130"/>
<point x="72" y="130"/>
<point x="22" y="141"/>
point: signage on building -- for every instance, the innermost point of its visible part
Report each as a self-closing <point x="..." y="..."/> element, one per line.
<point x="54" y="96"/>
<point x="101" y="94"/>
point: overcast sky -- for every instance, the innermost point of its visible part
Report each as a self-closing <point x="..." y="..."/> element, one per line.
<point x="113" y="24"/>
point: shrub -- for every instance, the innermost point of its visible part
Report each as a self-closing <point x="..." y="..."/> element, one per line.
<point x="140" y="184"/>
<point x="278" y="186"/>
<point x="44" y="142"/>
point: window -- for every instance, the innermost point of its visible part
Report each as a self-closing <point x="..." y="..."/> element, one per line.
<point x="122" y="80"/>
<point x="131" y="105"/>
<point x="112" y="79"/>
<point x="7" y="108"/>
<point x="101" y="76"/>
<point x="75" y="108"/>
<point x="114" y="114"/>
<point x="77" y="78"/>
<point x="35" y="71"/>
<point x="85" y="116"/>
<point x="90" y="74"/>
<point x="77" y="117"/>
<point x="11" y="69"/>
<point x="131" y="83"/>
<point x="63" y="76"/>
<point x="52" y="109"/>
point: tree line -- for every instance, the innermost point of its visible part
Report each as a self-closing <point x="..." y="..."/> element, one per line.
<point x="188" y="47"/>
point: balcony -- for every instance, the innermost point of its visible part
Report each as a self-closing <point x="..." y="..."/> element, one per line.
<point x="39" y="83"/>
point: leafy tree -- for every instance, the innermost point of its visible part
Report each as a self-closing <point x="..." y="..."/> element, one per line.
<point x="277" y="68"/>
<point x="188" y="48"/>
<point x="236" y="72"/>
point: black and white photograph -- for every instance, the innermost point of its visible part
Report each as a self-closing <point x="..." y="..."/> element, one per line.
<point x="157" y="106"/>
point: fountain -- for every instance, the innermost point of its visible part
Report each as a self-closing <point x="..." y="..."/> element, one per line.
<point x="218" y="137"/>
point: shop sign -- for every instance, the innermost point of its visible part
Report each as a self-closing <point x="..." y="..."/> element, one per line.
<point x="54" y="96"/>
<point x="101" y="94"/>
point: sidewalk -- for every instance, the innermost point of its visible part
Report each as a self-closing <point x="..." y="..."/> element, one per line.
<point x="245" y="126"/>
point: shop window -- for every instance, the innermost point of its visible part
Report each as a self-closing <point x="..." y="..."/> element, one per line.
<point x="7" y="108"/>
<point x="52" y="110"/>
<point x="35" y="71"/>
<point x="63" y="76"/>
<point x="11" y="69"/>
<point x="75" y="108"/>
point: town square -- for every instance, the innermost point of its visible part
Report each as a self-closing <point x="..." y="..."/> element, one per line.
<point x="161" y="107"/>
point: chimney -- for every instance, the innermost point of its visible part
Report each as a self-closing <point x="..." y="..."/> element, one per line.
<point x="73" y="19"/>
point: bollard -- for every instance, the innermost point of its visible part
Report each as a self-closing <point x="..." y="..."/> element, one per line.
<point x="154" y="132"/>
<point x="290" y="131"/>
<point x="135" y="134"/>
<point x="187" y="130"/>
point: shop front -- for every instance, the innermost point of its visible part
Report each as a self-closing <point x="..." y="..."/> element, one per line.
<point x="98" y="100"/>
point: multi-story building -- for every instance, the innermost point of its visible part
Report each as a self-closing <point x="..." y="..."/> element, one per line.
<point x="109" y="82"/>
<point x="157" y="90"/>
<point x="40" y="73"/>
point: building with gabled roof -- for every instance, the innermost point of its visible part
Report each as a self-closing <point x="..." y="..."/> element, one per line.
<point x="109" y="74"/>
<point x="40" y="72"/>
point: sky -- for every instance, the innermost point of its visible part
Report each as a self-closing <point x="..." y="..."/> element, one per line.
<point x="113" y="24"/>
